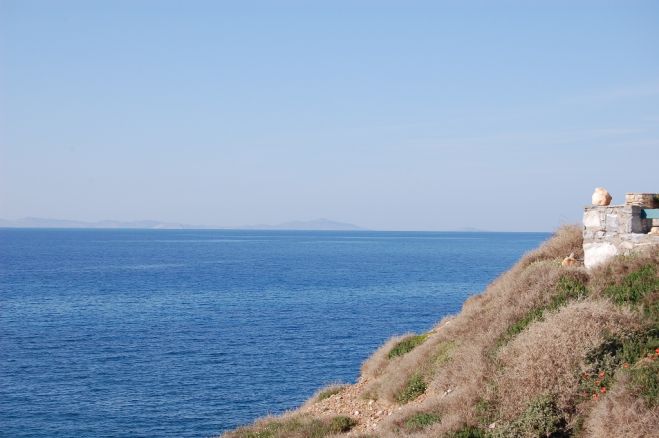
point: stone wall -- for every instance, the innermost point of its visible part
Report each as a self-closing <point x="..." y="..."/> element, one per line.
<point x="617" y="229"/>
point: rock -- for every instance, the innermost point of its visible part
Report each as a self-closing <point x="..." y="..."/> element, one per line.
<point x="601" y="197"/>
<point x="492" y="426"/>
<point x="569" y="260"/>
<point x="598" y="252"/>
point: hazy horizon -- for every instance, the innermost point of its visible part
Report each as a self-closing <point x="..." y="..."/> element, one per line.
<point x="317" y="224"/>
<point x="388" y="115"/>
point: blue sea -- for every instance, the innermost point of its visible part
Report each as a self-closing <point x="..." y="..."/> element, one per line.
<point x="187" y="333"/>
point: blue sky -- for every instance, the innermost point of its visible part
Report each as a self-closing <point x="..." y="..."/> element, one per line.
<point x="391" y="115"/>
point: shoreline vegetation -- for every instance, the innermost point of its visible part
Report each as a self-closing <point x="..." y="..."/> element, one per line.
<point x="544" y="351"/>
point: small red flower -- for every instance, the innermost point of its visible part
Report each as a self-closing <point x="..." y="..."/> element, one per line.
<point x="656" y="350"/>
<point x="625" y="365"/>
<point x="601" y="374"/>
<point x="596" y="396"/>
<point x="602" y="389"/>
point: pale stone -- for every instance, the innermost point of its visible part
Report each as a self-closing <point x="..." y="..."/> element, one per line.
<point x="601" y="197"/>
<point x="591" y="219"/>
<point x="598" y="253"/>
<point x="611" y="222"/>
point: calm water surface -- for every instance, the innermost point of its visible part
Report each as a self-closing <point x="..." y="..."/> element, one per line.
<point x="189" y="333"/>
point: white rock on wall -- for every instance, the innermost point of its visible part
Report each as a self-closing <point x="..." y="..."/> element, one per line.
<point x="598" y="253"/>
<point x="601" y="196"/>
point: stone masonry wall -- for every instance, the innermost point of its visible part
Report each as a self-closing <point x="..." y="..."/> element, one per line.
<point x="614" y="230"/>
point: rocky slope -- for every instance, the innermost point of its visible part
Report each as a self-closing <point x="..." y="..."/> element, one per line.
<point x="546" y="350"/>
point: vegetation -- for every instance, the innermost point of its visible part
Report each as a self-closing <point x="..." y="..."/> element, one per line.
<point x="545" y="351"/>
<point x="468" y="432"/>
<point x="414" y="388"/>
<point x="645" y="380"/>
<point x="568" y="288"/>
<point x="406" y="345"/>
<point x="329" y="391"/>
<point x="636" y="287"/>
<point x="542" y="418"/>
<point x="296" y="427"/>
<point x="420" y="420"/>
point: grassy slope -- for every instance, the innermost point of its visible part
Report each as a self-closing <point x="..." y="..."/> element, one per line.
<point x="544" y="351"/>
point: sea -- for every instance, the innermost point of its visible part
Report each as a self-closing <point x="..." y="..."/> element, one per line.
<point x="188" y="333"/>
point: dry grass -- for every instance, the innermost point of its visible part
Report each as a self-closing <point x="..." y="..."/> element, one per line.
<point x="567" y="239"/>
<point x="375" y="365"/>
<point x="458" y="391"/>
<point x="295" y="426"/>
<point x="401" y="375"/>
<point x="545" y="358"/>
<point x="325" y="393"/>
<point x="514" y="354"/>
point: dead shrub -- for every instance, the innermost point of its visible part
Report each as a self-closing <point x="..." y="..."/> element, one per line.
<point x="544" y="358"/>
<point x="567" y="239"/>
<point x="403" y="377"/>
<point x="325" y="393"/>
<point x="378" y="361"/>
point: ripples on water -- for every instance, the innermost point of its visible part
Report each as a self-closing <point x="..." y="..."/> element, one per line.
<point x="189" y="333"/>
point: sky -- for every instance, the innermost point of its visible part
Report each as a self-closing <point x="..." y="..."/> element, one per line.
<point x="392" y="115"/>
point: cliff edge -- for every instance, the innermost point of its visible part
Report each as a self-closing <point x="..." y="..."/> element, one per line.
<point x="545" y="350"/>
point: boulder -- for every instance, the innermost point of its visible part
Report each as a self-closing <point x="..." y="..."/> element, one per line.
<point x="601" y="197"/>
<point x="569" y="260"/>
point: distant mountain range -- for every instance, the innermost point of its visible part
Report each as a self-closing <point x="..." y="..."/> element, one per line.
<point x="316" y="224"/>
<point x="35" y="222"/>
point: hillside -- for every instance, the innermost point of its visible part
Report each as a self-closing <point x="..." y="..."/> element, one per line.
<point x="545" y="350"/>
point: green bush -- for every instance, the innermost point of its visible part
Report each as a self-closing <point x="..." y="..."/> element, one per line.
<point x="406" y="345"/>
<point x="420" y="421"/>
<point x="341" y="423"/>
<point x="485" y="411"/>
<point x="645" y="380"/>
<point x="568" y="288"/>
<point x="414" y="388"/>
<point x="542" y="418"/>
<point x="468" y="432"/>
<point x="616" y="351"/>
<point x="635" y="286"/>
<point x="627" y="348"/>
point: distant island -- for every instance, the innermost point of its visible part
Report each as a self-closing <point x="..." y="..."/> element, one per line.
<point x="316" y="224"/>
<point x="35" y="222"/>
